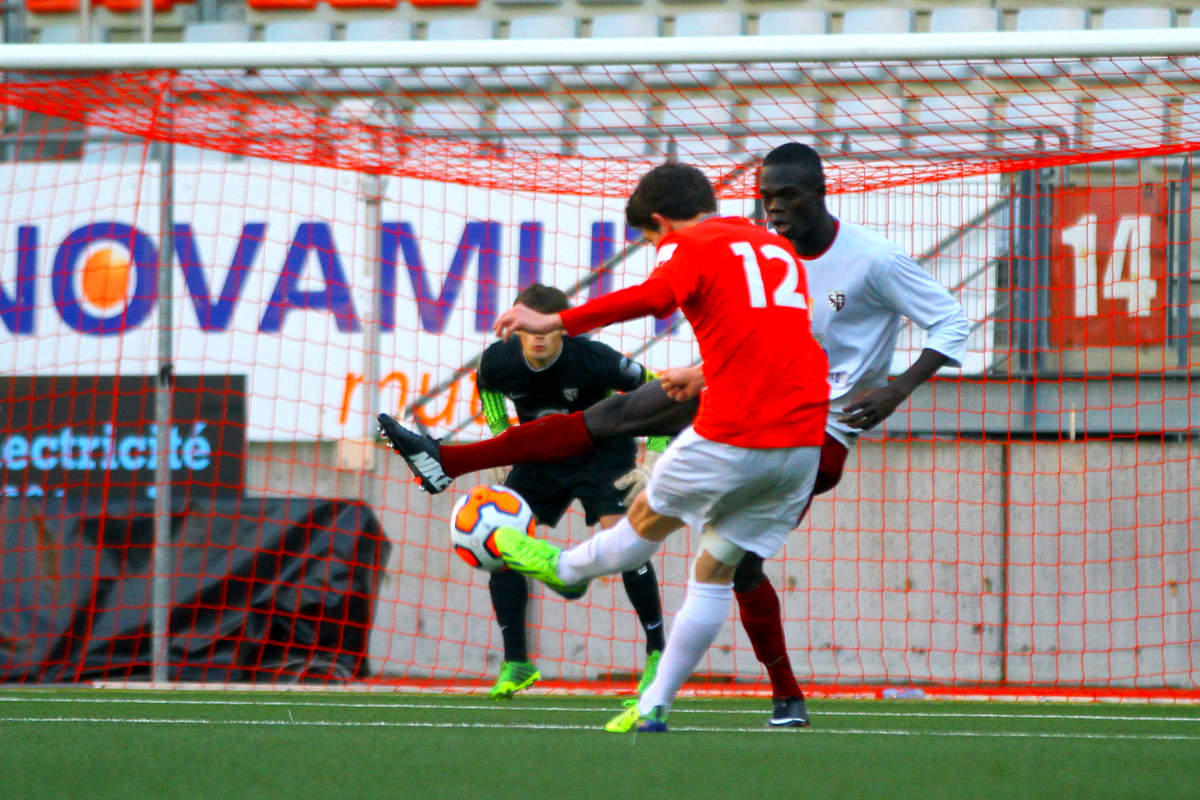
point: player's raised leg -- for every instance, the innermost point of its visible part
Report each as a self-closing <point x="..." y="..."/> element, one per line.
<point x="550" y="438"/>
<point x="625" y="545"/>
<point x="422" y="454"/>
<point x="646" y="411"/>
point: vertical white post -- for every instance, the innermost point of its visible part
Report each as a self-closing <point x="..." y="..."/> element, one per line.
<point x="160" y="586"/>
<point x="85" y="21"/>
<point x="147" y="20"/>
<point x="371" y="189"/>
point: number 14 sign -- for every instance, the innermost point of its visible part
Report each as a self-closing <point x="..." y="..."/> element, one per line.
<point x="1109" y="267"/>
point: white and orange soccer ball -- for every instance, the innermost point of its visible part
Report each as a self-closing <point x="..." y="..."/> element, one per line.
<point x="478" y="514"/>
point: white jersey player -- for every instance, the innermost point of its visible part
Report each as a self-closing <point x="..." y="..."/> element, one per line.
<point x="863" y="286"/>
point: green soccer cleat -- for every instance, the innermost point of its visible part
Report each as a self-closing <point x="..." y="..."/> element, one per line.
<point x="632" y="721"/>
<point x="536" y="558"/>
<point x="647" y="676"/>
<point x="514" y="676"/>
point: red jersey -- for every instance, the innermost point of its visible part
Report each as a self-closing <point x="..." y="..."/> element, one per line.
<point x="745" y="293"/>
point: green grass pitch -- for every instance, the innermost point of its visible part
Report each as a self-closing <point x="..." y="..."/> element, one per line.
<point x="214" y="745"/>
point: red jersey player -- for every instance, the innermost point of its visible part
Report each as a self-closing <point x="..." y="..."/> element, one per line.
<point x="744" y="471"/>
<point x="868" y="287"/>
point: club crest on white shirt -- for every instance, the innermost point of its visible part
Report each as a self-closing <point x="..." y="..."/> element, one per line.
<point x="837" y="299"/>
<point x="571" y="392"/>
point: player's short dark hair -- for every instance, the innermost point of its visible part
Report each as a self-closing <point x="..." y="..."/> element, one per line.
<point x="676" y="191"/>
<point x="543" y="298"/>
<point x="800" y="155"/>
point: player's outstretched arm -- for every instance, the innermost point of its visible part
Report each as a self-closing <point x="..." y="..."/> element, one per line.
<point x="873" y="406"/>
<point x="523" y="318"/>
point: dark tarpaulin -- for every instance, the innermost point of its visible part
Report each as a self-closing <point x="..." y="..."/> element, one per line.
<point x="262" y="589"/>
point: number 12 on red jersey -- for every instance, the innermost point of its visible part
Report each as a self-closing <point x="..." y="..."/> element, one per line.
<point x="787" y="292"/>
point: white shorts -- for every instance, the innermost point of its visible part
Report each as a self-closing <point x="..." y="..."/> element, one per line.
<point x="751" y="497"/>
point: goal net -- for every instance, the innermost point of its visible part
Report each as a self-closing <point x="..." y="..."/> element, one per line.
<point x="283" y="244"/>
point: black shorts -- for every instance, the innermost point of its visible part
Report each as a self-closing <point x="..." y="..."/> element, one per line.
<point x="549" y="489"/>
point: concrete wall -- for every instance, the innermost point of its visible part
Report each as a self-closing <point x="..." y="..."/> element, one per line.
<point x="1070" y="563"/>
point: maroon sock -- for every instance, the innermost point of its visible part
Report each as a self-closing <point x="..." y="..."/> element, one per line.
<point x="761" y="617"/>
<point x="551" y="438"/>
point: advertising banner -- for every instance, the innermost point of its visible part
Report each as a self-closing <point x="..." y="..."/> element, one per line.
<point x="92" y="437"/>
<point x="279" y="274"/>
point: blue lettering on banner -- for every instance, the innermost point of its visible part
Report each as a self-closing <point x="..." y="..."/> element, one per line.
<point x="479" y="238"/>
<point x="336" y="295"/>
<point x="145" y="263"/>
<point x="529" y="260"/>
<point x="480" y="242"/>
<point x="17" y="310"/>
<point x="68" y="450"/>
<point x="215" y="315"/>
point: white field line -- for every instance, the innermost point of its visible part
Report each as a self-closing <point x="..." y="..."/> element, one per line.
<point x="394" y="706"/>
<point x="454" y="689"/>
<point x="583" y="709"/>
<point x="545" y="727"/>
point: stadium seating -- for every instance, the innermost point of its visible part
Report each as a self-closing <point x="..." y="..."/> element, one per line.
<point x="1041" y="18"/>
<point x="960" y="123"/>
<point x="276" y="5"/>
<point x="622" y="25"/>
<point x="964" y="19"/>
<point x="783" y="22"/>
<point x="1048" y="120"/>
<point x="456" y="28"/>
<point x="876" y="21"/>
<point x="527" y="28"/>
<point x="955" y="19"/>
<point x="1137" y="17"/>
<point x="869" y="125"/>
<point x="115" y="6"/>
<point x="692" y="130"/>
<point x="1052" y="18"/>
<point x="543" y="26"/>
<point x="202" y="32"/>
<point x="292" y="31"/>
<point x="438" y="116"/>
<point x="793" y="22"/>
<point x="609" y="26"/>
<point x="709" y="23"/>
<point x="63" y="33"/>
<point x="374" y="29"/>
<point x="55" y="21"/>
<point x="772" y="122"/>
<point x="614" y="126"/>
<point x="1128" y="18"/>
<point x="531" y="125"/>
<point x="376" y="4"/>
<point x="1113" y="122"/>
<point x="135" y="6"/>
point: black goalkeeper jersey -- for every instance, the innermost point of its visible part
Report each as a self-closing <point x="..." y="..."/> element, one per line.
<point x="585" y="372"/>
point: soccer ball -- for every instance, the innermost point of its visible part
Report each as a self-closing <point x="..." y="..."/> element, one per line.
<point x="475" y="518"/>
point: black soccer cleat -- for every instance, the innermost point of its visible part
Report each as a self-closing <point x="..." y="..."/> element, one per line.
<point x="421" y="453"/>
<point x="789" y="712"/>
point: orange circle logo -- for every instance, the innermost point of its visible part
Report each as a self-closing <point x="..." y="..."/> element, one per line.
<point x="104" y="279"/>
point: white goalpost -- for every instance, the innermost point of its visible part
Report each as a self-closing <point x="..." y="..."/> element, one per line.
<point x="336" y="225"/>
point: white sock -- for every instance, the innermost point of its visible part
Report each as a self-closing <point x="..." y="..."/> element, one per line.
<point x="696" y="625"/>
<point x="616" y="549"/>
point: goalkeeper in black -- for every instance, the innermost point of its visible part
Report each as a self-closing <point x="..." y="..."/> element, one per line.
<point x="551" y="374"/>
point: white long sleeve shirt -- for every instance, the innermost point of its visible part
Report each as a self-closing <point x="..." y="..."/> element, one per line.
<point x="861" y="287"/>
